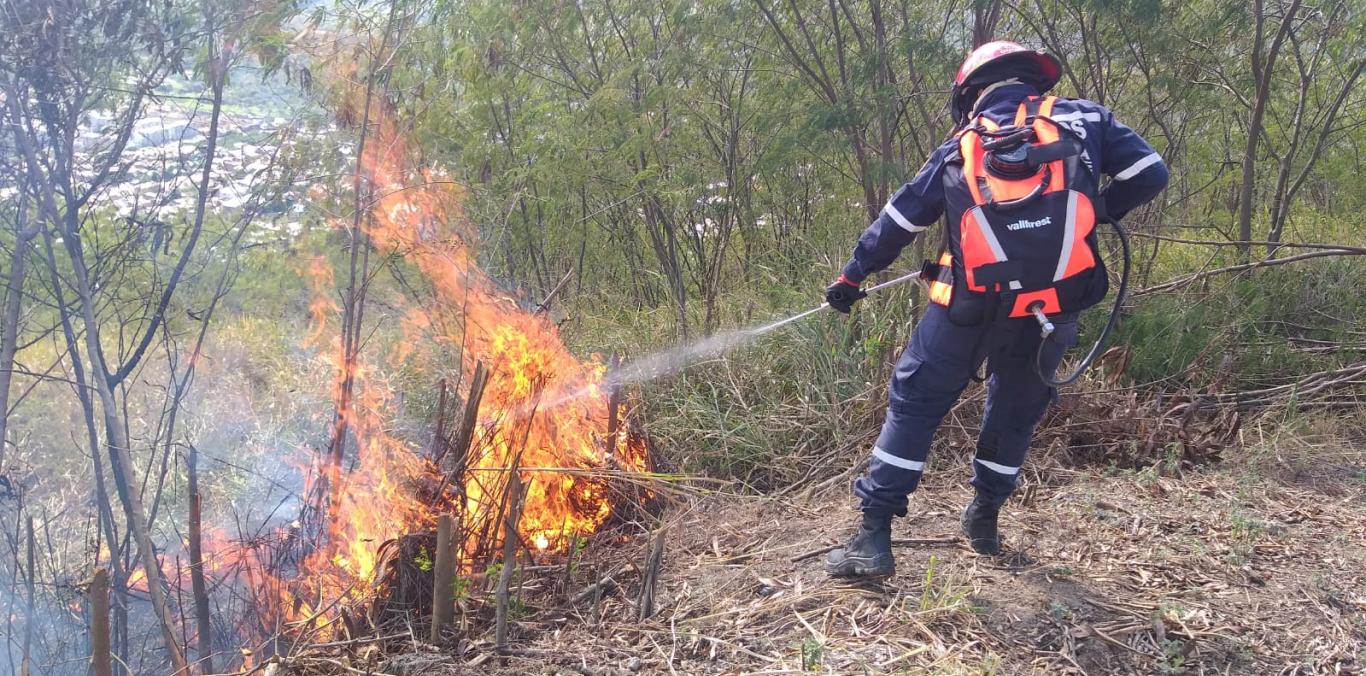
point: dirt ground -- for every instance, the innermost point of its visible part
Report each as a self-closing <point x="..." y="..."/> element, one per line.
<point x="1254" y="566"/>
<point x="1246" y="557"/>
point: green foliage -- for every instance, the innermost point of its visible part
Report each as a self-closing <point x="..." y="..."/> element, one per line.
<point x="695" y="164"/>
<point x="1059" y="611"/>
<point x="1174" y="658"/>
<point x="423" y="560"/>
<point x="1247" y="528"/>
<point x="460" y="588"/>
<point x="941" y="592"/>
<point x="812" y="653"/>
<point x="1250" y="330"/>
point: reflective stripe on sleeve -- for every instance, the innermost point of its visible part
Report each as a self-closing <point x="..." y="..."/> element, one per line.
<point x="895" y="215"/>
<point x="912" y="465"/>
<point x="1076" y="115"/>
<point x="999" y="469"/>
<point x="1134" y="169"/>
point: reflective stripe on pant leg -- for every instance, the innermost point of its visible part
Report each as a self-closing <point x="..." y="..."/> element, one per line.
<point x="1016" y="401"/>
<point x="932" y="372"/>
<point x="893" y="475"/>
<point x="899" y="463"/>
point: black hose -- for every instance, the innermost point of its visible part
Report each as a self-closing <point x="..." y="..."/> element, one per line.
<point x="1104" y="332"/>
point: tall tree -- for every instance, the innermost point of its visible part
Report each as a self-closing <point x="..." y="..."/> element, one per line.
<point x="1262" y="62"/>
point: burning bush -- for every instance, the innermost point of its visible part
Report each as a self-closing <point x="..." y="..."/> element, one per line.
<point x="514" y="401"/>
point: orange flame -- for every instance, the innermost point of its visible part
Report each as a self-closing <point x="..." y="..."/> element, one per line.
<point x="415" y="221"/>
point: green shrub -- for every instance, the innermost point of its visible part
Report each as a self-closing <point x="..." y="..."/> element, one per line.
<point x="1256" y="329"/>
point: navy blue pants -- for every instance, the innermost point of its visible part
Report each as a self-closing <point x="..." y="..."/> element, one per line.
<point x="933" y="371"/>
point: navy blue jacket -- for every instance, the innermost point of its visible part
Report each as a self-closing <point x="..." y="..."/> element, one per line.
<point x="1110" y="148"/>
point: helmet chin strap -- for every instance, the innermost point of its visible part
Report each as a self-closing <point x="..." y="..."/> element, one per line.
<point x="989" y="89"/>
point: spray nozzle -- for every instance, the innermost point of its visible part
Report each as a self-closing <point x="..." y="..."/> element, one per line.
<point x="1046" y="327"/>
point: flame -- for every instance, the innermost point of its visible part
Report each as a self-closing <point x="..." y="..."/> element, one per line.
<point x="545" y="415"/>
<point x="561" y="448"/>
<point x="137" y="580"/>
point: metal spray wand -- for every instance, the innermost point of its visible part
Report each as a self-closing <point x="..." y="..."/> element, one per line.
<point x="807" y="313"/>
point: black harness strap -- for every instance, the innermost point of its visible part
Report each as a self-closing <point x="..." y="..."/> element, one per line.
<point x="1032" y="106"/>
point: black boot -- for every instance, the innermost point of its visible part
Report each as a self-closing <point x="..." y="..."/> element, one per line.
<point x="979" y="525"/>
<point x="868" y="553"/>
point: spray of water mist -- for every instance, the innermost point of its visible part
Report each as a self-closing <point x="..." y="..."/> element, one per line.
<point x="659" y="364"/>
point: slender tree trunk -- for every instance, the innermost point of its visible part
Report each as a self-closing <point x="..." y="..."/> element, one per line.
<point x="9" y="333"/>
<point x="1247" y="189"/>
<point x="358" y="269"/>
<point x="203" y="624"/>
<point x="985" y="15"/>
<point x="121" y="456"/>
<point x="119" y="576"/>
<point x="101" y="661"/>
<point x="30" y="606"/>
<point x="1262" y="69"/>
<point x="117" y="442"/>
<point x="1285" y="194"/>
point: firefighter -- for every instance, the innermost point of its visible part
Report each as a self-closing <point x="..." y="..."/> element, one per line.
<point x="1047" y="186"/>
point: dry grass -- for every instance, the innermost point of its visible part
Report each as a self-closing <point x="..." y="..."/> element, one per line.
<point x="1255" y="564"/>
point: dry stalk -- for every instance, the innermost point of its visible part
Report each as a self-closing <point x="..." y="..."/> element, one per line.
<point x="101" y="661"/>
<point x="613" y="408"/>
<point x="650" y="576"/>
<point x="514" y="515"/>
<point x="544" y="306"/>
<point x="29" y="573"/>
<point x="471" y="413"/>
<point x="443" y="577"/>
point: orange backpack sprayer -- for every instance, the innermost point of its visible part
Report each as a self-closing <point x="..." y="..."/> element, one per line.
<point x="1022" y="212"/>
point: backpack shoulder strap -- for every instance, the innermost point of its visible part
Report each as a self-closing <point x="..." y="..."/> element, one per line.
<point x="1022" y="112"/>
<point x="1045" y="106"/>
<point x="1033" y="108"/>
<point x="970" y="147"/>
<point x="1050" y="149"/>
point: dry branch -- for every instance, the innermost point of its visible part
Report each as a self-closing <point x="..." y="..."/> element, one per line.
<point x="1224" y="243"/>
<point x="903" y="542"/>
<point x="605" y="584"/>
<point x="1194" y="277"/>
<point x="544" y="305"/>
<point x="1300" y="390"/>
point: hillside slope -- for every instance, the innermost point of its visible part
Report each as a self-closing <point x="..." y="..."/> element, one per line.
<point x="1256" y="566"/>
